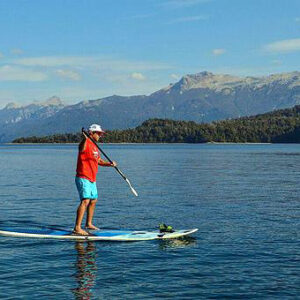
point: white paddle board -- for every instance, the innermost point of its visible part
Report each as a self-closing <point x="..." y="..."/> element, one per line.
<point x="96" y="235"/>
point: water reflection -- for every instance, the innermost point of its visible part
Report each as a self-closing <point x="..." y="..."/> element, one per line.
<point x="86" y="266"/>
<point x="86" y="269"/>
<point x="177" y="243"/>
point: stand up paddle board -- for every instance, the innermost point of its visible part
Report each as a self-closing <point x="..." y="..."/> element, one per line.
<point x="96" y="235"/>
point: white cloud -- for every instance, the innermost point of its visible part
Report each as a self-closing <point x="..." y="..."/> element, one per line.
<point x="68" y="74"/>
<point x="141" y="16"/>
<point x="138" y="76"/>
<point x="98" y="62"/>
<point x="283" y="46"/>
<point x="175" y="76"/>
<point x="16" y="51"/>
<point x="188" y="19"/>
<point x="14" y="73"/>
<point x="219" y="51"/>
<point x="55" y="61"/>
<point x="1" y="55"/>
<point x="182" y="3"/>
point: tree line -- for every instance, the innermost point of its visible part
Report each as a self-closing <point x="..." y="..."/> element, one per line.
<point x="281" y="126"/>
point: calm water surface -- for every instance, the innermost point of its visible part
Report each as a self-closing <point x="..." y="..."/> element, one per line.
<point x="245" y="200"/>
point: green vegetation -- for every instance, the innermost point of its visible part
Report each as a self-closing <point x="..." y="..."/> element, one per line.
<point x="281" y="126"/>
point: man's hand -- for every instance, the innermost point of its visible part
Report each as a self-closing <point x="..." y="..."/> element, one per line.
<point x="84" y="136"/>
<point x="104" y="163"/>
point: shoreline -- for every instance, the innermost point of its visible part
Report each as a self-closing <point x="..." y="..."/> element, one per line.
<point x="208" y="143"/>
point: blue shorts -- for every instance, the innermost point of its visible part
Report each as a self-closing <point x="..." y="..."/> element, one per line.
<point x="86" y="188"/>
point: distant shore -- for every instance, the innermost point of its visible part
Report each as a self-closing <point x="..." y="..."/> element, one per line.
<point x="219" y="143"/>
<point x="281" y="126"/>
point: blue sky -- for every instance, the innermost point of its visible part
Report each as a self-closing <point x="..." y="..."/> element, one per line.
<point x="89" y="49"/>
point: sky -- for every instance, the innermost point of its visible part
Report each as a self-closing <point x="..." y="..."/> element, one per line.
<point x="89" y="49"/>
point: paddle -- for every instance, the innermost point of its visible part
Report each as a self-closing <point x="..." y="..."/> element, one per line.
<point x="117" y="169"/>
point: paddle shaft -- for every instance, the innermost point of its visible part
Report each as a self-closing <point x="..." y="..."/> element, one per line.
<point x="87" y="134"/>
<point x="117" y="169"/>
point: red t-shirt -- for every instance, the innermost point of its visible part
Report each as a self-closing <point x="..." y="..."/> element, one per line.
<point x="87" y="162"/>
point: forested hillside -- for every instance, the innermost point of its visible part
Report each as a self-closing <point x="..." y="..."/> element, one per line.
<point x="281" y="126"/>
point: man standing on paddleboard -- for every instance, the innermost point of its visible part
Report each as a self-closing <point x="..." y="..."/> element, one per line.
<point x="87" y="168"/>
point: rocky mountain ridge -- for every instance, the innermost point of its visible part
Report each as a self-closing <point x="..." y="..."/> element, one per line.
<point x="201" y="97"/>
<point x="14" y="113"/>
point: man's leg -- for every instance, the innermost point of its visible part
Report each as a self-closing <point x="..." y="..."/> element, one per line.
<point x="90" y="214"/>
<point x="80" y="213"/>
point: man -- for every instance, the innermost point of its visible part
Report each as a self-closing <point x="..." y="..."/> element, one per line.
<point x="87" y="167"/>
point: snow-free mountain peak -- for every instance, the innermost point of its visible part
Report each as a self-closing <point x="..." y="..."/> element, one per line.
<point x="204" y="80"/>
<point x="218" y="82"/>
<point x="11" y="105"/>
<point x="52" y="101"/>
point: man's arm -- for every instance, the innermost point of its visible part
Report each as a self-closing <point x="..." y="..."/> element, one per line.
<point x="104" y="163"/>
<point x="82" y="145"/>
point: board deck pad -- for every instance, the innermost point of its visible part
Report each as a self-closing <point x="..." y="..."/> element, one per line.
<point x="96" y="235"/>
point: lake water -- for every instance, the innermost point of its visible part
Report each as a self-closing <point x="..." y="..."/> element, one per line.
<point x="245" y="200"/>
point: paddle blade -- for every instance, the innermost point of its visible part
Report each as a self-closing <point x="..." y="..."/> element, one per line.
<point x="134" y="191"/>
<point x="131" y="187"/>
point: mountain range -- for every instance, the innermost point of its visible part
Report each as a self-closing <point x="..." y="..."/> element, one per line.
<point x="201" y="97"/>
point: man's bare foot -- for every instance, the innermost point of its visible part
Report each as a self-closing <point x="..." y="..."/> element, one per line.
<point x="91" y="227"/>
<point x="80" y="232"/>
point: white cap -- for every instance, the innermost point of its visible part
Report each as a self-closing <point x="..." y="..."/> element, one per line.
<point x="95" y="128"/>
